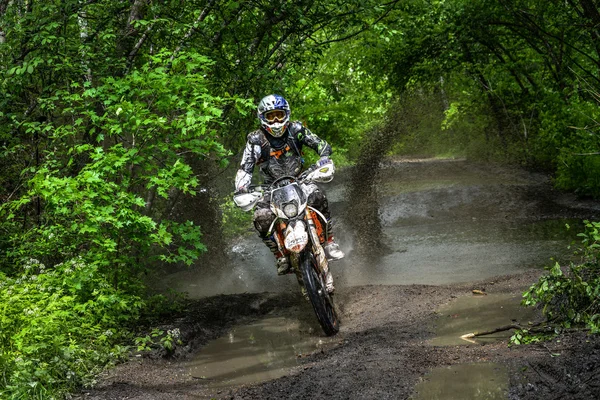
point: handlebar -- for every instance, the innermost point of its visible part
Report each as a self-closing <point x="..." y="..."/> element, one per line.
<point x="267" y="187"/>
<point x="305" y="176"/>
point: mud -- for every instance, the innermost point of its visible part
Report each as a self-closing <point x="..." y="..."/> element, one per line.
<point x="475" y="226"/>
<point x="383" y="351"/>
<point x="477" y="313"/>
<point x="260" y="351"/>
<point x="464" y="381"/>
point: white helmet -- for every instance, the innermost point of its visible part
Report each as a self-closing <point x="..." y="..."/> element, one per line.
<point x="274" y="114"/>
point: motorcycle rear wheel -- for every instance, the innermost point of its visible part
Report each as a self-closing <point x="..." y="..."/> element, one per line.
<point x="321" y="300"/>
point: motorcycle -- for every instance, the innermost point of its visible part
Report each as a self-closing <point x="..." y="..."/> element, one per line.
<point x="300" y="231"/>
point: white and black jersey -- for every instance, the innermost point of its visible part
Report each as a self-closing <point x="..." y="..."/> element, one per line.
<point x="278" y="156"/>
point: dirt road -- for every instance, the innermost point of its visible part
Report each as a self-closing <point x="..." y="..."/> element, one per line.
<point x="440" y="224"/>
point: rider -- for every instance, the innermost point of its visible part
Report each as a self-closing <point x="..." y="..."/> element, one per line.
<point x="277" y="149"/>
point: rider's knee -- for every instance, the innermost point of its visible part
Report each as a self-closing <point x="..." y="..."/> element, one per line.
<point x="318" y="200"/>
<point x="263" y="218"/>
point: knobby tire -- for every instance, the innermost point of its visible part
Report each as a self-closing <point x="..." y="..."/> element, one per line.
<point x="317" y="293"/>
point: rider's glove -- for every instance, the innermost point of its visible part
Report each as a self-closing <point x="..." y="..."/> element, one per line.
<point x="242" y="181"/>
<point x="322" y="161"/>
<point x="241" y="190"/>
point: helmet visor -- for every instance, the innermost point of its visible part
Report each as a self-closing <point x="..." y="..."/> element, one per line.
<point x="274" y="115"/>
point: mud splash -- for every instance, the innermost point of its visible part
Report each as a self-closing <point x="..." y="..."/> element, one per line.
<point x="437" y="222"/>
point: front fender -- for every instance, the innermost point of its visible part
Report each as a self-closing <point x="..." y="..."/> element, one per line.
<point x="295" y="236"/>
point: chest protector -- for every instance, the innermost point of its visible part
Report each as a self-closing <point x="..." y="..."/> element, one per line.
<point x="280" y="156"/>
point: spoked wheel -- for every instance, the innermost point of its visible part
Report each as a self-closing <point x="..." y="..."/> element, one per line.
<point x="322" y="302"/>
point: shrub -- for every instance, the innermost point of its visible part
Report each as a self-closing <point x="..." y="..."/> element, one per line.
<point x="59" y="327"/>
<point x="569" y="296"/>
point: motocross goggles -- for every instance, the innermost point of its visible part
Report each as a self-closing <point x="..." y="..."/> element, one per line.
<point x="275" y="115"/>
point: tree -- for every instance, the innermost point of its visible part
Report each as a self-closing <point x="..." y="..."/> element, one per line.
<point x="112" y="112"/>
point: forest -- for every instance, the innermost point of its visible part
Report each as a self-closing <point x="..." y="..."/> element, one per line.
<point x="113" y="112"/>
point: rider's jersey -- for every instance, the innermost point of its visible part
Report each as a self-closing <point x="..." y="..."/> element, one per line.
<point x="278" y="157"/>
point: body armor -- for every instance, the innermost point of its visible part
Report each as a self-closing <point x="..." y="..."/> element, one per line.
<point x="280" y="156"/>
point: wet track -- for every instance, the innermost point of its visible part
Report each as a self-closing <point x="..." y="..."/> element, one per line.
<point x="427" y="222"/>
<point x="419" y="236"/>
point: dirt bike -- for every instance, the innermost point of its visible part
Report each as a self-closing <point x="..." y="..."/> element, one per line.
<point x="299" y="231"/>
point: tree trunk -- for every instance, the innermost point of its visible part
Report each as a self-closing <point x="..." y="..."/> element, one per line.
<point x="3" y="7"/>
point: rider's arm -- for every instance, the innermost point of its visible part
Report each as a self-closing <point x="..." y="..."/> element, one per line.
<point x="252" y="153"/>
<point x="311" y="140"/>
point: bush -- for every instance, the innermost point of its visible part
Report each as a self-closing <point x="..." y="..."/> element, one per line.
<point x="569" y="296"/>
<point x="235" y="222"/>
<point x="59" y="327"/>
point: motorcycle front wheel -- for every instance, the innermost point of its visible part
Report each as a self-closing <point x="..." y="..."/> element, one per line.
<point x="322" y="301"/>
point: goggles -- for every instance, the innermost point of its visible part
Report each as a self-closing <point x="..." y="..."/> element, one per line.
<point x="275" y="115"/>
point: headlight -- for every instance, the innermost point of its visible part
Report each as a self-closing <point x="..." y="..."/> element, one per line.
<point x="290" y="210"/>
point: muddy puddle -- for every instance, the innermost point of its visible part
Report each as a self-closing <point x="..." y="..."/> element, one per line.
<point x="485" y="381"/>
<point x="478" y="313"/>
<point x="261" y="351"/>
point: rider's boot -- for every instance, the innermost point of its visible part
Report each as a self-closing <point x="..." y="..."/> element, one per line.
<point x="282" y="262"/>
<point x="332" y="249"/>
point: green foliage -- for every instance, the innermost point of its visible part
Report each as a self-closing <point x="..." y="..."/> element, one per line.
<point x="579" y="172"/>
<point x="158" y="338"/>
<point x="572" y="131"/>
<point x="153" y="117"/>
<point x="569" y="296"/>
<point x="59" y="326"/>
<point x="110" y="114"/>
<point x="505" y="94"/>
<point x="524" y="336"/>
<point x="235" y="221"/>
<point x="340" y="100"/>
<point x="62" y="324"/>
